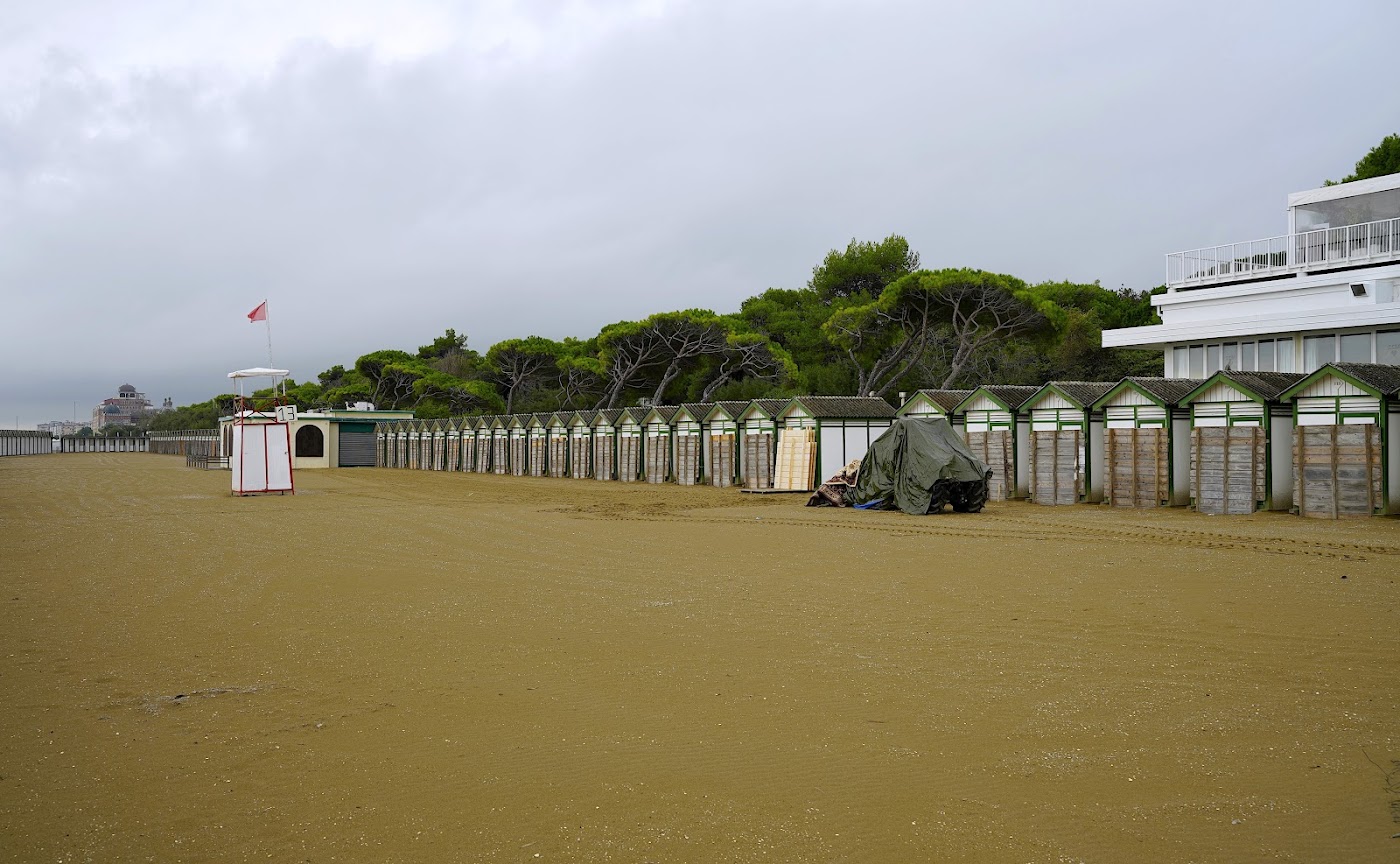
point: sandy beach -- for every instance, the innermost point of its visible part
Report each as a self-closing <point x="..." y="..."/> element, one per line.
<point x="415" y="666"/>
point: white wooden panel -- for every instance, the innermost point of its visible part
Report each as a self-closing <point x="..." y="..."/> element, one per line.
<point x="1051" y="399"/>
<point x="1222" y="392"/>
<point x="1128" y="396"/>
<point x="1331" y="385"/>
<point x="982" y="402"/>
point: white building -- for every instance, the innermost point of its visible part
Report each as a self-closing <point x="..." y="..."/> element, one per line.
<point x="1328" y="290"/>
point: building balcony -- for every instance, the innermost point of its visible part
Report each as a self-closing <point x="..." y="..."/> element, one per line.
<point x="1291" y="254"/>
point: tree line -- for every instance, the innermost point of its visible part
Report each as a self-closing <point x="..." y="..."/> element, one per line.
<point x="870" y="320"/>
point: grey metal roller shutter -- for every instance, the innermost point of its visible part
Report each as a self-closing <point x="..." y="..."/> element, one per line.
<point x="356" y="448"/>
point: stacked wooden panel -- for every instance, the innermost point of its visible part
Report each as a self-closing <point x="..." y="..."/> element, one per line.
<point x="758" y="461"/>
<point x="519" y="455"/>
<point x="658" y="458"/>
<point x="722" y="460"/>
<point x="454" y="448"/>
<point x="996" y="448"/>
<point x="603" y="465"/>
<point x="538" y="453"/>
<point x="796" y="466"/>
<point x="688" y="459"/>
<point x="558" y="455"/>
<point x="1337" y="470"/>
<point x="500" y="454"/>
<point x="629" y="455"/>
<point x="1056" y="467"/>
<point x="1227" y="469"/>
<point x="579" y="449"/>
<point x="1136" y="467"/>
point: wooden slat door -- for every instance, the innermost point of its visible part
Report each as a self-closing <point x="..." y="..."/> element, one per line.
<point x="1057" y="467"/>
<point x="687" y="459"/>
<point x="1227" y="469"/>
<point x="657" y="458"/>
<point x="1337" y="470"/>
<point x="995" y="448"/>
<point x="603" y="456"/>
<point x="1136" y="467"/>
<point x="722" y="460"/>
<point x="758" y="461"/>
<point x="629" y="455"/>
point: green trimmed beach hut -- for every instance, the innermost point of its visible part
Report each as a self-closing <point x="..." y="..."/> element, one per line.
<point x="841" y="427"/>
<point x="629" y="444"/>
<point x="656" y="443"/>
<point x="721" y="434"/>
<point x="605" y="443"/>
<point x="1346" y="450"/>
<point x="537" y="437"/>
<point x="1241" y="442"/>
<point x="1066" y="449"/>
<point x="581" y="444"/>
<point x="688" y="433"/>
<point x="557" y="444"/>
<point x="758" y="446"/>
<point x="935" y="403"/>
<point x="1147" y="442"/>
<point x="518" y="432"/>
<point x="500" y="444"/>
<point x="481" y="429"/>
<point x="999" y="434"/>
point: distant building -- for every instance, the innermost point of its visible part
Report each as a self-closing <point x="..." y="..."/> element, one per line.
<point x="62" y="427"/>
<point x="1328" y="290"/>
<point x="125" y="409"/>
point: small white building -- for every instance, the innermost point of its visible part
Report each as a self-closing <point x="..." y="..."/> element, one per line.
<point x="690" y="460"/>
<point x="1328" y="290"/>
<point x="1241" y="443"/>
<point x="999" y="434"/>
<point x="721" y="434"/>
<point x="935" y="403"/>
<point x="331" y="438"/>
<point x="1066" y="449"/>
<point x="841" y="429"/>
<point x="1147" y="442"/>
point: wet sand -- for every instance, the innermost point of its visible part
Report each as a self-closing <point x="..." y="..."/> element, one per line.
<point x="411" y="666"/>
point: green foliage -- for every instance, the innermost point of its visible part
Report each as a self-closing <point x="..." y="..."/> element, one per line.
<point x="1383" y="159"/>
<point x="863" y="268"/>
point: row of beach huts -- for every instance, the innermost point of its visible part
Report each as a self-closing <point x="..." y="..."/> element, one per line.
<point x="1321" y="445"/>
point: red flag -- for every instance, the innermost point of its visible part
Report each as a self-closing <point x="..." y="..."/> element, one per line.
<point x="258" y="314"/>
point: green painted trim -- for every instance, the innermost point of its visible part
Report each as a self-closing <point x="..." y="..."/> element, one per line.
<point x="1221" y="377"/>
<point x="1328" y="371"/>
<point x="959" y="409"/>
<point x="1125" y="384"/>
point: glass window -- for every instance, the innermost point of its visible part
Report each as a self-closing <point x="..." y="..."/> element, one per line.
<point x="1318" y="351"/>
<point x="1388" y="347"/>
<point x="1198" y="361"/>
<point x="1212" y="359"/>
<point x="1230" y="357"/>
<point x="1266" y="355"/>
<point x="1247" y="356"/>
<point x="1283" y="348"/>
<point x="1179" y="361"/>
<point x="1356" y="348"/>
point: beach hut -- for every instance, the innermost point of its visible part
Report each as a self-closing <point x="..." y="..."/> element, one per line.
<point x="557" y="444"/>
<point x="401" y="436"/>
<point x="935" y="403"/>
<point x="518" y="432"/>
<point x="819" y="435"/>
<point x="629" y="444"/>
<point x="580" y="444"/>
<point x="453" y="456"/>
<point x="1066" y="449"/>
<point x="417" y="432"/>
<point x="1241" y="442"/>
<point x="537" y="444"/>
<point x="1147" y="442"/>
<point x="381" y="437"/>
<point x="1346" y="447"/>
<point x="721" y="434"/>
<point x="688" y="452"/>
<point x="656" y="442"/>
<point x="604" y="425"/>
<point x="439" y="452"/>
<point x="483" y="443"/>
<point x="758" y="442"/>
<point x="500" y="444"/>
<point x="1000" y="435"/>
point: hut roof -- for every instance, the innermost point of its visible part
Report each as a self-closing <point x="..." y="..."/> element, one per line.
<point x="1264" y="386"/>
<point x="611" y="415"/>
<point x="1379" y="379"/>
<point x="945" y="399"/>
<point x="840" y="407"/>
<point x="697" y="410"/>
<point x="636" y="412"/>
<point x="561" y="417"/>
<point x="731" y="407"/>
<point x="1012" y="396"/>
<point x="1081" y="393"/>
<point x="771" y="407"/>
<point x="1166" y="391"/>
<point x="665" y="412"/>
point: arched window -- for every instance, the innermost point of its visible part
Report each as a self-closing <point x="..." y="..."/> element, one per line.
<point x="310" y="441"/>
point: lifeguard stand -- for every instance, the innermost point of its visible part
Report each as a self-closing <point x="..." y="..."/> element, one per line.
<point x="261" y="460"/>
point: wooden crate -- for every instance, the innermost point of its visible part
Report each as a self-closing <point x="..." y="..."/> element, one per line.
<point x="1227" y="469"/>
<point x="997" y="449"/>
<point x="1337" y="470"/>
<point x="1057" y="467"/>
<point x="722" y="460"/>
<point x="1136" y="467"/>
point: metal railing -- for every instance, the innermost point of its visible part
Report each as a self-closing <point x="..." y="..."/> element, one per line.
<point x="1367" y="243"/>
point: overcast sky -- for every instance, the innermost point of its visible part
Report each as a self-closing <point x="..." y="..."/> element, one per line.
<point x="383" y="171"/>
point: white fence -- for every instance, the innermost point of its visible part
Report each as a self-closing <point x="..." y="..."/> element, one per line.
<point x="25" y="442"/>
<point x="1348" y="246"/>
<point x="102" y="444"/>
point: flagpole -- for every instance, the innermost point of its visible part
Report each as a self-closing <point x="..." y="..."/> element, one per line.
<point x="267" y="320"/>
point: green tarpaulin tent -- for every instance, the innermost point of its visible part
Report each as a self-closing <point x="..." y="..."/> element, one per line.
<point x="918" y="465"/>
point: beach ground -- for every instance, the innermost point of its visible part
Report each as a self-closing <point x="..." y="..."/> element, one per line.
<point x="417" y="666"/>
